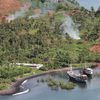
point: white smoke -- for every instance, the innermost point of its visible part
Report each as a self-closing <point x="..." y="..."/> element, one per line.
<point x="19" y="13"/>
<point x="69" y="27"/>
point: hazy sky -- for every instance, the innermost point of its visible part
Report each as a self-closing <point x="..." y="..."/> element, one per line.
<point x="88" y="3"/>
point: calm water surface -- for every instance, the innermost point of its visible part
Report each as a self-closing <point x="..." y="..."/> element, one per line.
<point x="40" y="91"/>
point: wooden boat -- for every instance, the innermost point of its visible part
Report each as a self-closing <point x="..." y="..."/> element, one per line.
<point x="77" y="77"/>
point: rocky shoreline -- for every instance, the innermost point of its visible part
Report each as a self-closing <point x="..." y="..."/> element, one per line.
<point x="16" y="86"/>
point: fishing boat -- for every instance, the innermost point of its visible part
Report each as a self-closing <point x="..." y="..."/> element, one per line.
<point x="77" y="77"/>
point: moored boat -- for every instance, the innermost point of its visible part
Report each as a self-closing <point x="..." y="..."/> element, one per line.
<point x="77" y="77"/>
<point x="87" y="71"/>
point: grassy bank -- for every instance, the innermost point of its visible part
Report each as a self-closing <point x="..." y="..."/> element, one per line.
<point x="9" y="75"/>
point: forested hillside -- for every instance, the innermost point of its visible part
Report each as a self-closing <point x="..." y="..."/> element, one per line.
<point x="41" y="40"/>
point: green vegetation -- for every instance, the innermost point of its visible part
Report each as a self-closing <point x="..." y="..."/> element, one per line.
<point x="67" y="86"/>
<point x="42" y="41"/>
<point x="54" y="84"/>
<point x="38" y="41"/>
<point x="89" y="25"/>
<point x="9" y="74"/>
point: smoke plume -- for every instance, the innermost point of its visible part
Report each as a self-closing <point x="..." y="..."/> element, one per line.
<point x="19" y="13"/>
<point x="70" y="28"/>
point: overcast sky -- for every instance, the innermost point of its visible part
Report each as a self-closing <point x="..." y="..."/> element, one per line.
<point x="88" y="3"/>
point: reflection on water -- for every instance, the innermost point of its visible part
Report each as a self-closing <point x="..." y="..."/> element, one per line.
<point x="41" y="91"/>
<point x="80" y="85"/>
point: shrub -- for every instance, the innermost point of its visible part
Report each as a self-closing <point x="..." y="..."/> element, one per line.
<point x="2" y="86"/>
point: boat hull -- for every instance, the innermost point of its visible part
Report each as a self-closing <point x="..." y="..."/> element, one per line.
<point x="75" y="79"/>
<point x="89" y="75"/>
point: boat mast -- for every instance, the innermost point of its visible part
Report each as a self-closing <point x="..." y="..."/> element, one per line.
<point x="71" y="67"/>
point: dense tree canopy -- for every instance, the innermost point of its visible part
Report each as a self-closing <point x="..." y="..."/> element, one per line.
<point x="40" y="39"/>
